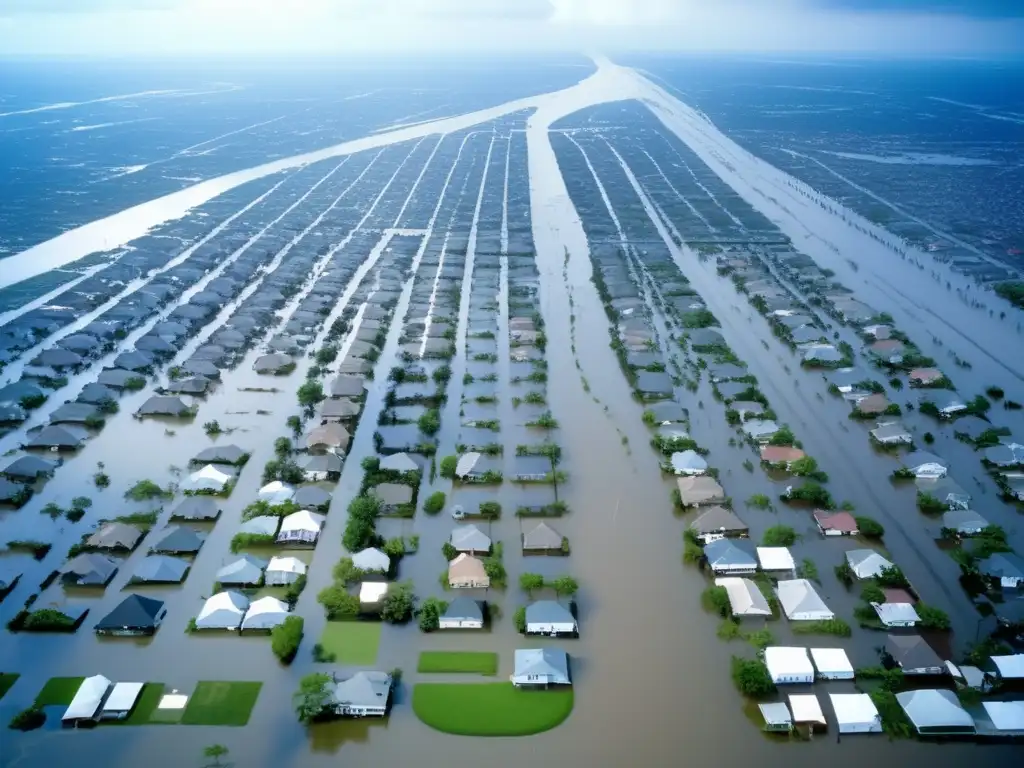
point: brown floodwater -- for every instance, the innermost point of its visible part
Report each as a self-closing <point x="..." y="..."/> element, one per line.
<point x="651" y="678"/>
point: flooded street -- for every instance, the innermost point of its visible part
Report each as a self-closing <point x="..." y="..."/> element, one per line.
<point x="521" y="283"/>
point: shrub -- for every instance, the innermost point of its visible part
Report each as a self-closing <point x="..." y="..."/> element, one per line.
<point x="892" y="577"/>
<point x="326" y="354"/>
<point x="430" y="613"/>
<point x="312" y="700"/>
<point x="760" y="501"/>
<point x="285" y="638"/>
<point x="48" y="620"/>
<point x="872" y="593"/>
<point x="449" y="551"/>
<point x="869" y="527"/>
<point x="398" y="604"/>
<point x="490" y="509"/>
<point x="835" y="626"/>
<point x="345" y="572"/>
<point x="932" y="617"/>
<point x="778" y="536"/>
<point x="751" y="678"/>
<point x="434" y="503"/>
<point x="101" y="479"/>
<point x="717" y="599"/>
<point x="996" y="393"/>
<point x="929" y="438"/>
<point x="784" y="436"/>
<point x="811" y="492"/>
<point x="309" y="394"/>
<point x="519" y="619"/>
<point x="338" y="604"/>
<point x="292" y="592"/>
<point x="528" y="582"/>
<point x="212" y="428"/>
<point x="430" y="422"/>
<point x="929" y="504"/>
<point x="144" y="490"/>
<point x="448" y="466"/>
<point x="28" y="719"/>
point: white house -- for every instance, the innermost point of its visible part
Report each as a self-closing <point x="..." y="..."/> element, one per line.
<point x="745" y="598"/>
<point x="832" y="663"/>
<point x="209" y="479"/>
<point x="276" y="493"/>
<point x="371" y="560"/>
<point x="365" y="694"/>
<point x="121" y="701"/>
<point x="896" y="614"/>
<point x="775" y="559"/>
<point x="788" y="665"/>
<point x="856" y="713"/>
<point x="806" y="709"/>
<point x="225" y="610"/>
<point x="540" y="668"/>
<point x="282" y="571"/>
<point x="866" y="563"/>
<point x="924" y="464"/>
<point x="302" y="527"/>
<point x="265" y="613"/>
<point x="801" y="602"/>
<point x="462" y="613"/>
<point x="87" y="700"/>
<point x="688" y="462"/>
<point x="549" y="617"/>
<point x="372" y="591"/>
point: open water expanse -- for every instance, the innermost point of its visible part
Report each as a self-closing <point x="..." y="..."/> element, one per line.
<point x="574" y="286"/>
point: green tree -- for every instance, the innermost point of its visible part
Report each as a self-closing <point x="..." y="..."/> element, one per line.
<point x="784" y="436"/>
<point x="434" y="503"/>
<point x="779" y="536"/>
<point x="398" y="604"/>
<point x="313" y="697"/>
<point x="751" y="678"/>
<point x="519" y="619"/>
<point x="338" y="604"/>
<point x="215" y="752"/>
<point x="430" y="613"/>
<point x="285" y="638"/>
<point x="869" y="527"/>
<point x="565" y="585"/>
<point x="932" y="618"/>
<point x="717" y="599"/>
<point x="309" y="394"/>
<point x="448" y="466"/>
<point x="528" y="582"/>
<point x="326" y="354"/>
<point x="430" y="422"/>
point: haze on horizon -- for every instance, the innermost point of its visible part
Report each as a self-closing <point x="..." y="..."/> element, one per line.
<point x="980" y="28"/>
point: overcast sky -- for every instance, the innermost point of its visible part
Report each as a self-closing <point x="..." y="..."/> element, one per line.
<point x="200" y="27"/>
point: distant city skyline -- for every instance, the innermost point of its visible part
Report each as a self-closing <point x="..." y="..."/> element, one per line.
<point x="271" y="27"/>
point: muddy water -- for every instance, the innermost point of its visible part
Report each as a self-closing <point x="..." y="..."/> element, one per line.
<point x="651" y="678"/>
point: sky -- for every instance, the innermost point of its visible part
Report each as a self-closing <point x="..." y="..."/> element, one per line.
<point x="357" y="27"/>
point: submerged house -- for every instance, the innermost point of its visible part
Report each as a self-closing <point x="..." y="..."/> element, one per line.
<point x="688" y="462"/>
<point x="467" y="572"/>
<point x="913" y="655"/>
<point x="282" y="571"/>
<point x="134" y="616"/>
<point x="302" y="527"/>
<point x="800" y="601"/>
<point x="729" y="556"/>
<point x="462" y="613"/>
<point x="469" y="538"/>
<point x="549" y="617"/>
<point x="745" y="597"/>
<point x="891" y="433"/>
<point x="696" y="491"/>
<point x="787" y="665"/>
<point x="542" y="538"/>
<point x="835" y="523"/>
<point x="866" y="563"/>
<point x="224" y="610"/>
<point x="935" y="711"/>
<point x="365" y="694"/>
<point x="924" y="464"/>
<point x="87" y="702"/>
<point x="540" y="668"/>
<point x="717" y="522"/>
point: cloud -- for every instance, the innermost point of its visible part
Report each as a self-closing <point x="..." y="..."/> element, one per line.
<point x="461" y="10"/>
<point x="19" y="7"/>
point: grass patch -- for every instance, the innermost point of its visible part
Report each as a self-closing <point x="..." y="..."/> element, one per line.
<point x="836" y="627"/>
<point x="221" y="703"/>
<point x="58" y="691"/>
<point x="352" y="642"/>
<point x="490" y="709"/>
<point x="473" y="662"/>
<point x="7" y="681"/>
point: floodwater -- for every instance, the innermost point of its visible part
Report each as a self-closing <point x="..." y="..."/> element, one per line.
<point x="651" y="679"/>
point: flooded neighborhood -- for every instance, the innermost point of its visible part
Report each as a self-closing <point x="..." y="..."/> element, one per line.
<point x="529" y="434"/>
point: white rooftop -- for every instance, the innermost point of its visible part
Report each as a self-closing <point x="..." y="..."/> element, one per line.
<point x="1010" y="667"/>
<point x="853" y="708"/>
<point x="896" y="613"/>
<point x="123" y="697"/>
<point x="775" y="559"/>
<point x="805" y="708"/>
<point x="745" y="597"/>
<point x="372" y="591"/>
<point x="88" y="697"/>
<point x="788" y="660"/>
<point x="831" y="660"/>
<point x="1005" y="715"/>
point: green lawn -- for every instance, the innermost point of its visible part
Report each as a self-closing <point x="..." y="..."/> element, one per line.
<point x="458" y="661"/>
<point x="7" y="680"/>
<point x="149" y="698"/>
<point x="352" y="642"/>
<point x="221" y="703"/>
<point x="490" y="709"/>
<point x="58" y="691"/>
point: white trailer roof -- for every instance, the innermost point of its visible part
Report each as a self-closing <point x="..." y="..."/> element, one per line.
<point x="806" y="709"/>
<point x="123" y="697"/>
<point x="745" y="597"/>
<point x="88" y="698"/>
<point x="1010" y="667"/>
<point x="775" y="559"/>
<point x="372" y="591"/>
<point x="831" y="660"/>
<point x="896" y="613"/>
<point x="1005" y="715"/>
<point x="787" y="660"/>
<point x="854" y="708"/>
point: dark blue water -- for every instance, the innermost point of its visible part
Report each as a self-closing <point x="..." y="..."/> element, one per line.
<point x="950" y="133"/>
<point x="60" y="168"/>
